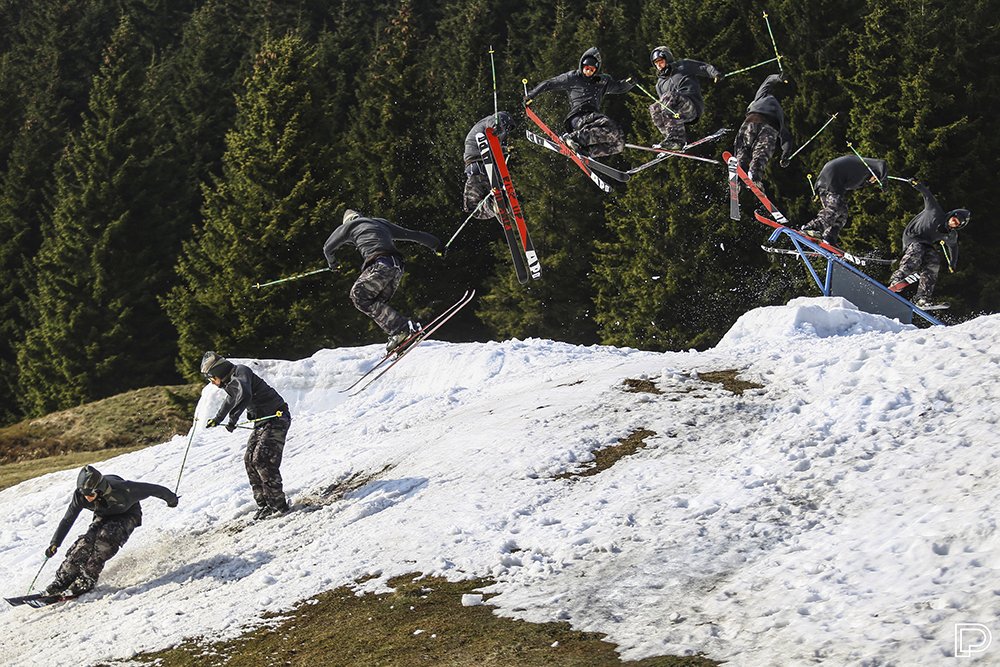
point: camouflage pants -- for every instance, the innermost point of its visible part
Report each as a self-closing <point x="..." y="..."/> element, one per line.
<point x="373" y="289"/>
<point x="597" y="134"/>
<point x="86" y="558"/>
<point x="755" y="145"/>
<point x="923" y="259"/>
<point x="477" y="186"/>
<point x="263" y="462"/>
<point x="831" y="218"/>
<point x="673" y="127"/>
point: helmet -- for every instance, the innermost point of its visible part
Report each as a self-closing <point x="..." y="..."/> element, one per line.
<point x="505" y="124"/>
<point x="349" y="215"/>
<point x="660" y="52"/>
<point x="963" y="215"/>
<point x="216" y="366"/>
<point x="91" y="482"/>
<point x="591" y="57"/>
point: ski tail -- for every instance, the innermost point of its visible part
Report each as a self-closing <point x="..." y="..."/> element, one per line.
<point x="513" y="203"/>
<point x="734" y="189"/>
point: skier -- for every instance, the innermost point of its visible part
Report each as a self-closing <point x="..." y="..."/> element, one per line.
<point x="477" y="184"/>
<point x="115" y="504"/>
<point x="680" y="95"/>
<point x="924" y="234"/>
<point x="382" y="269"/>
<point x="247" y="391"/>
<point x="588" y="131"/>
<point x="762" y="129"/>
<point x="838" y="177"/>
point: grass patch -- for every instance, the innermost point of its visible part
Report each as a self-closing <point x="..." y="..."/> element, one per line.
<point x="422" y="623"/>
<point x="635" y="386"/>
<point x="729" y="381"/>
<point x="131" y="420"/>
<point x="607" y="457"/>
<point x="15" y="473"/>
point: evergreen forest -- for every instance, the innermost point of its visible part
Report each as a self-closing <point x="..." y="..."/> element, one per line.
<point x="157" y="159"/>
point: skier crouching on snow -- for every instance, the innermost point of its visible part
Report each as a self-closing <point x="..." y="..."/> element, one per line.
<point x="115" y="504"/>
<point x="589" y="131"/>
<point x="477" y="184"/>
<point x="928" y="231"/>
<point x="680" y="95"/>
<point x="838" y="177"/>
<point x="382" y="269"/>
<point x="245" y="390"/>
<point x="762" y="129"/>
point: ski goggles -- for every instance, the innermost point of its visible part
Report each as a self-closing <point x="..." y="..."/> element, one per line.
<point x="89" y="492"/>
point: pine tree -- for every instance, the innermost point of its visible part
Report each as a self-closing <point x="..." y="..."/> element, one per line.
<point x="96" y="326"/>
<point x="265" y="217"/>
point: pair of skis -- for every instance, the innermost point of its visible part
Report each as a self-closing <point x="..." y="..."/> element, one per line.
<point x="665" y="153"/>
<point x="777" y="219"/>
<point x="507" y="208"/>
<point x="386" y="363"/>
<point x="39" y="599"/>
<point x="556" y="144"/>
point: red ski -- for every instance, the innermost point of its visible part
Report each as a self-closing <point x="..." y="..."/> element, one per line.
<point x="567" y="151"/>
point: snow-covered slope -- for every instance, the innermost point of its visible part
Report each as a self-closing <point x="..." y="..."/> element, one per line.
<point x="845" y="511"/>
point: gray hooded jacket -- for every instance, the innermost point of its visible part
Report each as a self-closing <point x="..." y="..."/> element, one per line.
<point x="472" y="153"/>
<point x="247" y="391"/>
<point x="585" y="93"/>
<point x="123" y="498"/>
<point x="681" y="77"/>
<point x="931" y="225"/>
<point x="767" y="104"/>
<point x="374" y="238"/>
<point x="846" y="173"/>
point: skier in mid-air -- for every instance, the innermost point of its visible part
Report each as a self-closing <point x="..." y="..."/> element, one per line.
<point x="926" y="236"/>
<point x="680" y="95"/>
<point x="115" y="504"/>
<point x="477" y="184"/>
<point x="838" y="177"/>
<point x="245" y="390"/>
<point x="763" y="128"/>
<point x="588" y="131"/>
<point x="382" y="269"/>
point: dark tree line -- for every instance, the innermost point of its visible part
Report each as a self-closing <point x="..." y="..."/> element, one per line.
<point x="158" y="159"/>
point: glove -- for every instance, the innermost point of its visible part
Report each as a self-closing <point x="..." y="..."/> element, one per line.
<point x="211" y="423"/>
<point x="914" y="182"/>
<point x="231" y="426"/>
<point x="527" y="100"/>
<point x="784" y="162"/>
<point x="173" y="503"/>
<point x="442" y="251"/>
<point x="50" y="550"/>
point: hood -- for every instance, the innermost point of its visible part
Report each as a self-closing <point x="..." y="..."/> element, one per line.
<point x="591" y="53"/>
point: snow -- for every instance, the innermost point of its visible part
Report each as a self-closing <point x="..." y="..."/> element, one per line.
<point x="844" y="513"/>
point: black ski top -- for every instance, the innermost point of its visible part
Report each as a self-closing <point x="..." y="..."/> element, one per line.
<point x="766" y="103"/>
<point x="930" y="226"/>
<point x="123" y="498"/>
<point x="472" y="153"/>
<point x="681" y="77"/>
<point x="585" y="93"/>
<point x="846" y="173"/>
<point x="374" y="238"/>
<point x="247" y="391"/>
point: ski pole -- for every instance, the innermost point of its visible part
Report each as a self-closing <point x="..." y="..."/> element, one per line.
<point x="658" y="101"/>
<point x="877" y="179"/>
<point x="524" y="82"/>
<point x="462" y="226"/>
<point x="773" y="43"/>
<point x="809" y="179"/>
<point x="194" y="424"/>
<point x="947" y="256"/>
<point x="789" y="158"/>
<point x="496" y="109"/>
<point x="745" y="69"/>
<point x="899" y="178"/>
<point x="295" y="277"/>
<point x="36" y="576"/>
<point x="260" y="419"/>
